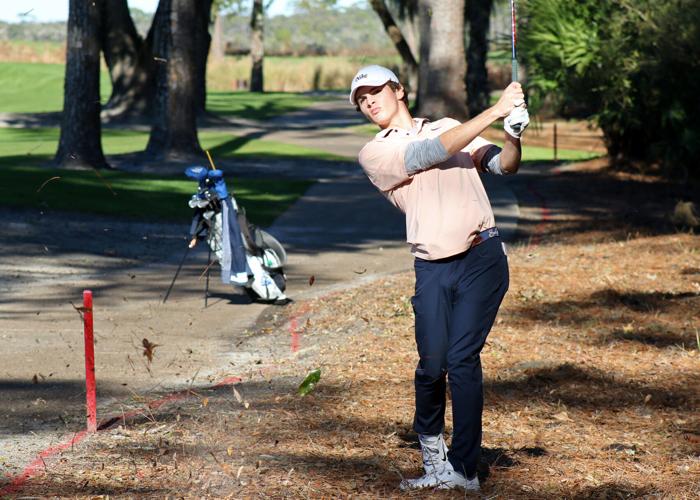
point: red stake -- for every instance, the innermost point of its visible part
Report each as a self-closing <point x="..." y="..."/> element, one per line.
<point x="89" y="363"/>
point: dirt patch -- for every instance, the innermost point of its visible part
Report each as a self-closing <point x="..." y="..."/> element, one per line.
<point x="592" y="374"/>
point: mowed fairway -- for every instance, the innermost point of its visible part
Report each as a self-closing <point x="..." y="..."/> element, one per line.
<point x="38" y="88"/>
<point x="26" y="154"/>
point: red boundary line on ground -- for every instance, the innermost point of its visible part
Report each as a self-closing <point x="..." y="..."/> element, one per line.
<point x="294" y="330"/>
<point x="39" y="464"/>
<point x="545" y="213"/>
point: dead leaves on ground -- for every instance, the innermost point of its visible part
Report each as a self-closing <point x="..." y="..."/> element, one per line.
<point x="149" y="349"/>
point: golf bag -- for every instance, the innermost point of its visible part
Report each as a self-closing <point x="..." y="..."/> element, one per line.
<point x="248" y="256"/>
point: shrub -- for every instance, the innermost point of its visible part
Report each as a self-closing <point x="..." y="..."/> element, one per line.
<point x="631" y="66"/>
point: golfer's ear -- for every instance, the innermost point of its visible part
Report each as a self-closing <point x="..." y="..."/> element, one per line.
<point x="400" y="92"/>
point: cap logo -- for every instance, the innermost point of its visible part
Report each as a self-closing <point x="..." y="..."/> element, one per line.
<point x="360" y="77"/>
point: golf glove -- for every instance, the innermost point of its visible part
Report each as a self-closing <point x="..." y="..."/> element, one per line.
<point x="517" y="121"/>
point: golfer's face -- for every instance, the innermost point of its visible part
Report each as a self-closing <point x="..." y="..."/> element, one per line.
<point x="378" y="104"/>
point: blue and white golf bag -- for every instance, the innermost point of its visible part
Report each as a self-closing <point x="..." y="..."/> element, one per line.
<point x="249" y="257"/>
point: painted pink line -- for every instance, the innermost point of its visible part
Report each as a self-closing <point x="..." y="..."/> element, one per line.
<point x="39" y="465"/>
<point x="545" y="213"/>
<point x="294" y="329"/>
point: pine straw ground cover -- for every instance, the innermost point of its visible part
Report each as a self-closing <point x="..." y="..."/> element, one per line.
<point x="592" y="376"/>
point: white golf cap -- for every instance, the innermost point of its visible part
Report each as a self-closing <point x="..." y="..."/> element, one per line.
<point x="371" y="76"/>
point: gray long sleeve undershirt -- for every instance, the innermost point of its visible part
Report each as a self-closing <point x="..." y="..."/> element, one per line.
<point x="421" y="155"/>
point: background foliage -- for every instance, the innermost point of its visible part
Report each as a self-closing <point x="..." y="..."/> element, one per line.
<point x="629" y="65"/>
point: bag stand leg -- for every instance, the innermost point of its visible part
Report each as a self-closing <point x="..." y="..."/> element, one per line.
<point x="172" y="283"/>
<point x="206" y="283"/>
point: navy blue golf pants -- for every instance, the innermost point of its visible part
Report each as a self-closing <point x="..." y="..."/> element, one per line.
<point x="455" y="304"/>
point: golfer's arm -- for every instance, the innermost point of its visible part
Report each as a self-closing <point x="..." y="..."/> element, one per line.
<point x="510" y="155"/>
<point x="457" y="138"/>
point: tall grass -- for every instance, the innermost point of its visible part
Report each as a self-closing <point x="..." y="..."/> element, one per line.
<point x="32" y="51"/>
<point x="282" y="74"/>
<point x="291" y="74"/>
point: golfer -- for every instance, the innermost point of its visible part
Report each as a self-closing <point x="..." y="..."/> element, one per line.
<point x="430" y="171"/>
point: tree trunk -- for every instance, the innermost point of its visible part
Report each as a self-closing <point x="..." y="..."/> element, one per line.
<point x="442" y="67"/>
<point x="80" y="141"/>
<point x="394" y="32"/>
<point x="129" y="60"/>
<point x="174" y="130"/>
<point x="257" y="49"/>
<point x="478" y="16"/>
<point x="203" y="43"/>
<point x="217" y="43"/>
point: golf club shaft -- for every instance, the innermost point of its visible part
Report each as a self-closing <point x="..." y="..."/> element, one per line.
<point x="513" y="42"/>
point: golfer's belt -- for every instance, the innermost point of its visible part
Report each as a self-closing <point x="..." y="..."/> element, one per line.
<point x="484" y="235"/>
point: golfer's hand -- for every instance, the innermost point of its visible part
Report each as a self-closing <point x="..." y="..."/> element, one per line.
<point x="511" y="97"/>
<point x="517" y="121"/>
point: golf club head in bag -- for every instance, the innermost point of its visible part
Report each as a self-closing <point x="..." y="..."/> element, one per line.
<point x="249" y="257"/>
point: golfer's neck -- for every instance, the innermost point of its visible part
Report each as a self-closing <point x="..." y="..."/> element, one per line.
<point x="402" y="119"/>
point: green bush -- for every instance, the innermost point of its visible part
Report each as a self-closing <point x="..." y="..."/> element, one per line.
<point x="632" y="66"/>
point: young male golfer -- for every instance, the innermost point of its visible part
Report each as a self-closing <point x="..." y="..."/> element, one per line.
<point x="430" y="171"/>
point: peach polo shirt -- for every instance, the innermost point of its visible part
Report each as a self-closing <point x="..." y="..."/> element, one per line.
<point x="445" y="205"/>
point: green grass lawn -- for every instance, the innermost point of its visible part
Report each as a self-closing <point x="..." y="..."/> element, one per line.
<point x="24" y="151"/>
<point x="28" y="143"/>
<point x="256" y="106"/>
<point x="145" y="197"/>
<point x="38" y="88"/>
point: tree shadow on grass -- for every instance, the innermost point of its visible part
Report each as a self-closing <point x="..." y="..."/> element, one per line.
<point x="57" y="486"/>
<point x="611" y="491"/>
<point x="615" y="314"/>
<point x="47" y="404"/>
<point x="579" y="202"/>
<point x="590" y="389"/>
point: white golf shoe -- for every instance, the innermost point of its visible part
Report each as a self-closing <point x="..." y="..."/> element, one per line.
<point x="439" y="472"/>
<point x="434" y="451"/>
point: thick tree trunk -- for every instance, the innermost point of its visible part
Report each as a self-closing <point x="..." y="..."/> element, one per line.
<point x="442" y="67"/>
<point x="478" y="17"/>
<point x="80" y="141"/>
<point x="217" y="43"/>
<point x="409" y="61"/>
<point x="257" y="49"/>
<point x="203" y="44"/>
<point x="174" y="130"/>
<point x="129" y="60"/>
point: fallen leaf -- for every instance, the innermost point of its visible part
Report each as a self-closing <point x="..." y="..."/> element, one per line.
<point x="237" y="394"/>
<point x="562" y="417"/>
<point x="312" y="278"/>
<point x="309" y="383"/>
<point x="148" y="349"/>
<point x="239" y="398"/>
